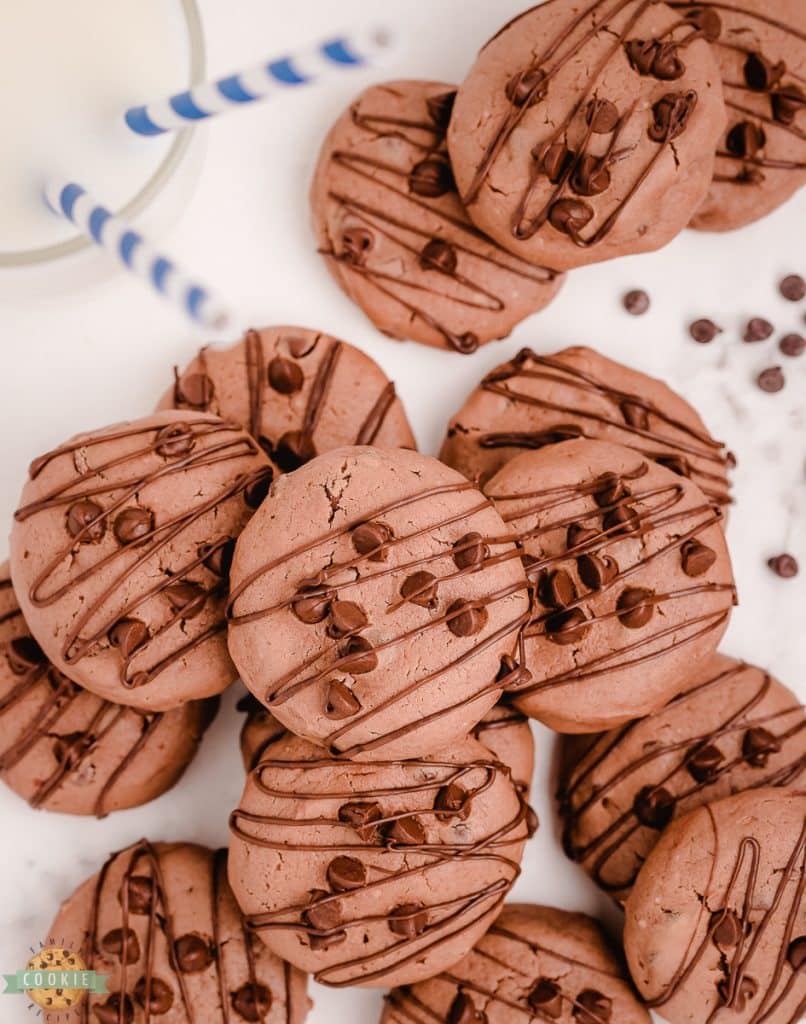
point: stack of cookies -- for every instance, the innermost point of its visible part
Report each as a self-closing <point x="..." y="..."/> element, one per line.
<point x="397" y="619"/>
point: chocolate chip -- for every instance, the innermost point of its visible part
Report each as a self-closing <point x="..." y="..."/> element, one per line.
<point x="117" y="1009"/>
<point x="635" y="414"/>
<point x="636" y="302"/>
<point x="792" y="344"/>
<point x="511" y="674"/>
<point x="578" y="535"/>
<point x="195" y="390"/>
<point x="524" y="87"/>
<point x="592" y="1007"/>
<point x="344" y="874"/>
<point x="745" y="139"/>
<point x="156" y="996"/>
<point x="785" y="566"/>
<point x="602" y="116"/>
<point x="408" y="831"/>
<point x="676" y="463"/>
<point x="696" y="557"/>
<point x="787" y="102"/>
<point x="440" y="109"/>
<point x="757" y="329"/>
<point x="532" y="821"/>
<point x="83" y="518"/>
<point x="362" y="817"/>
<point x="761" y="74"/>
<point x="139" y="891"/>
<point x="437" y="254"/>
<point x="367" y="538"/>
<point x="193" y="953"/>
<point x="257" y="490"/>
<point x="452" y="801"/>
<point x="356" y="243"/>
<point x="361" y="654"/>
<point x="556" y="162"/>
<point x="703" y="764"/>
<point x="463" y="1011"/>
<point x="546" y="998"/>
<point x="293" y="450"/>
<point x="465" y="619"/>
<point x="635" y="607"/>
<point x="217" y="557"/>
<point x="67" y="749"/>
<point x="666" y="64"/>
<point x="186" y="599"/>
<point x="324" y="914"/>
<point x="566" y="627"/>
<point x="570" y="215"/>
<point x="340" y="702"/>
<point x="133" y="524"/>
<point x="671" y="115"/>
<point x="346" y="617"/>
<point x="608" y="489"/>
<point x="556" y="589"/>
<point x="431" y="178"/>
<point x="771" y="380"/>
<point x="641" y="54"/>
<point x="796" y="953"/>
<point x="793" y="287"/>
<point x="408" y="920"/>
<point x="174" y="440"/>
<point x="591" y="176"/>
<point x="596" y="571"/>
<point x="285" y="376"/>
<point x="757" y="746"/>
<point x="470" y="551"/>
<point x="707" y="21"/>
<point x="127" y="635"/>
<point x="310" y="608"/>
<point x="113" y="942"/>
<point x="654" y="806"/>
<point x="24" y="654"/>
<point x="252" y="1001"/>
<point x="621" y="519"/>
<point x="704" y="330"/>
<point x="746" y="989"/>
<point x="727" y="929"/>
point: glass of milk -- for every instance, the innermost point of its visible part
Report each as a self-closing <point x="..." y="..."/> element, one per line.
<point x="69" y="69"/>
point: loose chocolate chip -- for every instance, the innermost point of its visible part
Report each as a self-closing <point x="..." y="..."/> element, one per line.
<point x="127" y="635"/>
<point x="117" y="1009"/>
<point x="792" y="345"/>
<point x="174" y="440"/>
<point x="703" y="764"/>
<point x="591" y="176"/>
<point x="285" y="376"/>
<point x="293" y="450"/>
<point x="463" y="1011"/>
<point x="578" y="535"/>
<point x="83" y="518"/>
<point x="195" y="390"/>
<point x="139" y="889"/>
<point x="367" y="538"/>
<point x="155" y="995"/>
<point x="408" y="831"/>
<point x="187" y="599"/>
<point x="256" y="491"/>
<point x="113" y="943"/>
<point x="344" y="874"/>
<point x="635" y="607"/>
<point x="566" y="627"/>
<point x="696" y="557"/>
<point x="556" y="162"/>
<point x="431" y="178"/>
<point x="596" y="571"/>
<point x="24" y="654"/>
<point x="525" y="86"/>
<point x="745" y="139"/>
<point x="621" y="519"/>
<point x="704" y="330"/>
<point x="654" y="806"/>
<point x="757" y="746"/>
<point x="785" y="566"/>
<point x="356" y="243"/>
<point x="796" y="953"/>
<point x="608" y="489"/>
<point x="362" y="817"/>
<point x="470" y="551"/>
<point x="133" y="524"/>
<point x="771" y="380"/>
<point x="252" y="1001"/>
<point x="310" y="608"/>
<point x="452" y="801"/>
<point x="437" y="254"/>
<point x="636" y="302"/>
<point x="217" y="557"/>
<point x="361" y="654"/>
<point x="793" y="287"/>
<point x="440" y="109"/>
<point x="346" y="617"/>
<point x="570" y="215"/>
<point x="602" y="116"/>
<point x="727" y="929"/>
<point x="757" y="329"/>
<point x="556" y="589"/>
<point x="324" y="914"/>
<point x="787" y="102"/>
<point x="592" y="1007"/>
<point x="408" y="920"/>
<point x="635" y="415"/>
<point x="193" y="953"/>
<point x="761" y="74"/>
<point x="546" y="998"/>
<point x="465" y="619"/>
<point x="670" y="116"/>
<point x="340" y="701"/>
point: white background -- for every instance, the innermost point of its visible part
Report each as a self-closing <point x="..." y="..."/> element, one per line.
<point x="78" y="359"/>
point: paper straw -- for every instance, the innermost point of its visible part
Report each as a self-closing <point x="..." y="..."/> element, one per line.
<point x="135" y="253"/>
<point x="235" y="91"/>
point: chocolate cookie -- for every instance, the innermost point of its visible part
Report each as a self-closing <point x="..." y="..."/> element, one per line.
<point x="67" y="750"/>
<point x="761" y="157"/>
<point x="733" y="728"/>
<point x="395" y="235"/>
<point x="120" y="552"/>
<point x="631" y="581"/>
<point x="297" y="392"/>
<point x="375" y="874"/>
<point x="535" y="400"/>
<point x="534" y="964"/>
<point x="376" y="601"/>
<point x="587" y="129"/>
<point x="160" y="921"/>
<point x="716" y="924"/>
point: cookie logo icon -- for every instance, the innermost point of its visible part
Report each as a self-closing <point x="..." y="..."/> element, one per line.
<point x="56" y="980"/>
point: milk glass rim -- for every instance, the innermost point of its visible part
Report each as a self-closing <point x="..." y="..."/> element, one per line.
<point x="158" y="180"/>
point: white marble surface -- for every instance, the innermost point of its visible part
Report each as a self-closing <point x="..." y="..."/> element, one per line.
<point x="96" y="355"/>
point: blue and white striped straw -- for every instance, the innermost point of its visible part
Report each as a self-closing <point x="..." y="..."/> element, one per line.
<point x="209" y="99"/>
<point x="135" y="253"/>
